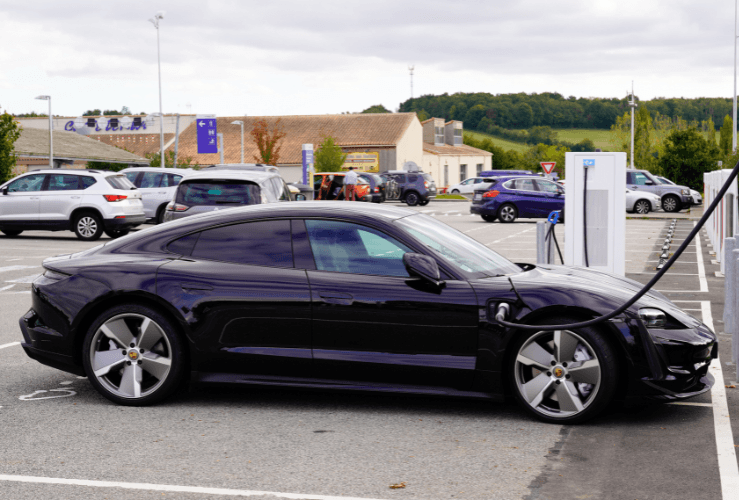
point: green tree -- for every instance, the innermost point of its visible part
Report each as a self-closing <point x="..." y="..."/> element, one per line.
<point x="544" y="152"/>
<point x="523" y="115"/>
<point x="423" y="115"/>
<point x="377" y="108"/>
<point x="726" y="137"/>
<point x="10" y="131"/>
<point x="643" y="148"/>
<point x="329" y="157"/>
<point x="474" y="115"/>
<point x="156" y="160"/>
<point x="687" y="156"/>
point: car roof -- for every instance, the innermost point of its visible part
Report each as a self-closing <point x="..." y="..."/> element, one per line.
<point x="248" y="175"/>
<point x="78" y="171"/>
<point x="169" y="170"/>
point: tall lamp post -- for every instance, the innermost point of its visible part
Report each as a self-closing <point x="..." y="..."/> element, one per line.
<point x="51" y="127"/>
<point x="239" y="122"/>
<point x="733" y="135"/>
<point x="155" y="21"/>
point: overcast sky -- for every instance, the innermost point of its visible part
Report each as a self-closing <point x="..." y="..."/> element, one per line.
<point x="273" y="57"/>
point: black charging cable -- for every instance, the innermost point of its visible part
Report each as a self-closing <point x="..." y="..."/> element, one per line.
<point x="647" y="287"/>
<point x="552" y="234"/>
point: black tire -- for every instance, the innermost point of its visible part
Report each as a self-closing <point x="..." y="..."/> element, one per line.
<point x="671" y="203"/>
<point x="507" y="213"/>
<point x="455" y="191"/>
<point x="642" y="207"/>
<point x="423" y="203"/>
<point x="412" y="198"/>
<point x="116" y="233"/>
<point x="11" y="232"/>
<point x="160" y="365"/>
<point x="489" y="218"/>
<point x="586" y="383"/>
<point x="160" y="214"/>
<point x="88" y="226"/>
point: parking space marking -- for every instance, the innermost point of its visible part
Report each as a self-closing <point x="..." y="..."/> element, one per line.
<point x="688" y="403"/>
<point x="727" y="465"/>
<point x="169" y="488"/>
<point x="511" y="236"/>
<point x="699" y="257"/>
<point x="11" y="344"/>
<point x="25" y="279"/>
<point x="15" y="268"/>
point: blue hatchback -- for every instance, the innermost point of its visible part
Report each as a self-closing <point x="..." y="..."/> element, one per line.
<point x="507" y="198"/>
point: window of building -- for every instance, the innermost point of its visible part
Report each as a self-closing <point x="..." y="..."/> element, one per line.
<point x="458" y="139"/>
<point x="479" y="168"/>
<point x="462" y="172"/>
<point x="439" y="135"/>
<point x="263" y="243"/>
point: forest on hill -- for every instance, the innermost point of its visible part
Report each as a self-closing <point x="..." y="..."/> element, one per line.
<point x="490" y="112"/>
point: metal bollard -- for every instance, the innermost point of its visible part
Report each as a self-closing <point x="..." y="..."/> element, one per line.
<point x="733" y="327"/>
<point x="729" y="284"/>
<point x="541" y="234"/>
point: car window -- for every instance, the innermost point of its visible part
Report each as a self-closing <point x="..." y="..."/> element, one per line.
<point x="169" y="180"/>
<point x="263" y="243"/>
<point x="131" y="176"/>
<point x="525" y="185"/>
<point x="218" y="192"/>
<point x="27" y="183"/>
<point x="639" y="178"/>
<point x="352" y="248"/>
<point x="412" y="177"/>
<point x="61" y="182"/>
<point x="119" y="182"/>
<point x="548" y="187"/>
<point x="464" y="183"/>
<point x="151" y="179"/>
<point x="87" y="181"/>
<point x="509" y="185"/>
<point x="399" y="178"/>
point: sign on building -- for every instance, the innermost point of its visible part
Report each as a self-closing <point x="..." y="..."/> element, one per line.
<point x="363" y="162"/>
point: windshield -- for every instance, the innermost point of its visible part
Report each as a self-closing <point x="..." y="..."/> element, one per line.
<point x="218" y="193"/>
<point x="457" y="248"/>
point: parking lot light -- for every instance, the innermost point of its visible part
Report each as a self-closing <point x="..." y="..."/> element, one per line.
<point x="51" y="128"/>
<point x="155" y="21"/>
<point x="239" y="122"/>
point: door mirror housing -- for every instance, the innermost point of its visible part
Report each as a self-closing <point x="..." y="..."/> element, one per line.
<point x="649" y="183"/>
<point x="5" y="190"/>
<point x="424" y="267"/>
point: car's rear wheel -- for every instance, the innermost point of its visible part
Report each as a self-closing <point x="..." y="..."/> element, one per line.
<point x="507" y="213"/>
<point x="489" y="218"/>
<point x="670" y="203"/>
<point x="117" y="233"/>
<point x="563" y="376"/>
<point x="133" y="355"/>
<point x="412" y="199"/>
<point x="12" y="232"/>
<point x="88" y="226"/>
<point x="642" y="207"/>
<point x="160" y="214"/>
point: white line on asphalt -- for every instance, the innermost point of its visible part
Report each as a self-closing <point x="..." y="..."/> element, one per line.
<point x="15" y="268"/>
<point x="169" y="488"/>
<point x="476" y="229"/>
<point x="6" y="287"/>
<point x="511" y="236"/>
<point x="727" y="466"/>
<point x="9" y="345"/>
<point x="688" y="403"/>
<point x="699" y="257"/>
<point x="25" y="279"/>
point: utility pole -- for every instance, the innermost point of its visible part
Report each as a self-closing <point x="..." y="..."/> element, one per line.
<point x="632" y="105"/>
<point x="410" y="69"/>
<point x="155" y="21"/>
<point x="733" y="123"/>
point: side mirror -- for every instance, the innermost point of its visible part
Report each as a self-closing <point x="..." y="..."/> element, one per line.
<point x="649" y="183"/>
<point x="424" y="267"/>
<point x="5" y="190"/>
<point x="299" y="197"/>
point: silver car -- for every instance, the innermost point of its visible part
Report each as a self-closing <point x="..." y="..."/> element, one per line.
<point x="697" y="197"/>
<point x="673" y="198"/>
<point x="641" y="202"/>
<point x="222" y="189"/>
<point x="157" y="186"/>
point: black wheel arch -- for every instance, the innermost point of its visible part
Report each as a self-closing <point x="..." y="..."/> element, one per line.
<point x="83" y="210"/>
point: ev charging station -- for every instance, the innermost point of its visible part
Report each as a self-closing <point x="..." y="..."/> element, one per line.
<point x="595" y="211"/>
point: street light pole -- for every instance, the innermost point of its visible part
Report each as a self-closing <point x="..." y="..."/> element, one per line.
<point x="155" y="21"/>
<point x="239" y="122"/>
<point x="632" y="105"/>
<point x="733" y="125"/>
<point x="51" y="128"/>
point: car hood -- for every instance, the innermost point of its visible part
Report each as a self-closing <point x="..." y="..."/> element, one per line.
<point x="602" y="292"/>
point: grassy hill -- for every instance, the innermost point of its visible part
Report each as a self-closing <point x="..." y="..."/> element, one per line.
<point x="600" y="138"/>
<point x="501" y="143"/>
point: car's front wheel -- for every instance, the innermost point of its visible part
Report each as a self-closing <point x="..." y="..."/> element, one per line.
<point x="133" y="355"/>
<point x="670" y="203"/>
<point x="88" y="226"/>
<point x="507" y="213"/>
<point x="642" y="207"/>
<point x="12" y="232"/>
<point x="563" y="376"/>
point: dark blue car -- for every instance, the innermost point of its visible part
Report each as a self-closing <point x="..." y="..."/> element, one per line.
<point x="507" y="198"/>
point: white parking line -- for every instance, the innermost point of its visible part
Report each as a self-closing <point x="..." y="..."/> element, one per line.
<point x="9" y="345"/>
<point x="25" y="279"/>
<point x="169" y="488"/>
<point x="15" y="268"/>
<point x="511" y="236"/>
<point x="727" y="466"/>
<point x="699" y="257"/>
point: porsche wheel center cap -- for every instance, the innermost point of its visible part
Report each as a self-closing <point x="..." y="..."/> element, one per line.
<point x="559" y="372"/>
<point x="133" y="355"/>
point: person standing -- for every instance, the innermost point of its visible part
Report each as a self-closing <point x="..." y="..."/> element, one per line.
<point x="350" y="183"/>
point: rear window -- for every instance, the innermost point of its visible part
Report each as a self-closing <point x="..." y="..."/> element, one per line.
<point x="223" y="192"/>
<point x="120" y="182"/>
<point x="412" y="177"/>
<point x="428" y="177"/>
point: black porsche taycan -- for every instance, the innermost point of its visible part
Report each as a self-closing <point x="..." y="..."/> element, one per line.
<point x="353" y="297"/>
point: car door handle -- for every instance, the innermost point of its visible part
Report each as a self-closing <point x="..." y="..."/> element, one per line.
<point x="75" y="197"/>
<point x="196" y="286"/>
<point x="162" y="192"/>
<point x="340" y="298"/>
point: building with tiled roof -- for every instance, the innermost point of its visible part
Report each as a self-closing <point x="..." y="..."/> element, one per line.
<point x="446" y="157"/>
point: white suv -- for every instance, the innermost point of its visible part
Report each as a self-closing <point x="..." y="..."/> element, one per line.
<point x="157" y="186"/>
<point x="88" y="202"/>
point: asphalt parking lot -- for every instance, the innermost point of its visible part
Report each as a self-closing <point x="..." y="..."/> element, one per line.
<point x="63" y="440"/>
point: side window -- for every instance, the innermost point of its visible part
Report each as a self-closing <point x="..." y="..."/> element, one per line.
<point x="412" y="177"/>
<point x="547" y="187"/>
<point x="630" y="178"/>
<point x="61" y="182"/>
<point x="27" y="183"/>
<point x="525" y="185"/>
<point x="510" y="185"/>
<point x="87" y="181"/>
<point x="344" y="247"/>
<point x="285" y="192"/>
<point x="465" y="182"/>
<point x="151" y="179"/>
<point x="263" y="243"/>
<point x="170" y="180"/>
<point x="640" y="179"/>
<point x="132" y="177"/>
<point x="400" y="178"/>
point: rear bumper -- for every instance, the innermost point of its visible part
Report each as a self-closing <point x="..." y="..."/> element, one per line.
<point x="43" y="345"/>
<point x="124" y="222"/>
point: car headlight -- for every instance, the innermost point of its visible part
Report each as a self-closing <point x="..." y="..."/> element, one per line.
<point x="653" y="318"/>
<point x="685" y="191"/>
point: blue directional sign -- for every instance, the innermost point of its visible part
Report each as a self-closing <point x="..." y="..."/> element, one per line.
<point x="588" y="163"/>
<point x="207" y="135"/>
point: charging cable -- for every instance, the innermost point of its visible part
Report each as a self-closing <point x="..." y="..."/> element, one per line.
<point x="553" y="219"/>
<point x="646" y="287"/>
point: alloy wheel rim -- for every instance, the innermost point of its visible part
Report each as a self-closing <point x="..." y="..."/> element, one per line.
<point x="87" y="226"/>
<point x="506" y="213"/>
<point x="557" y="373"/>
<point x="670" y="204"/>
<point x="130" y="356"/>
<point x="641" y="207"/>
